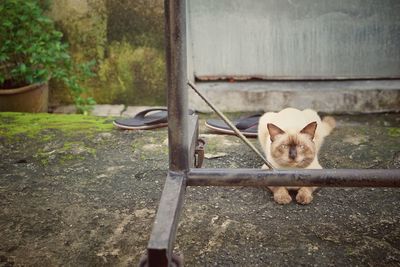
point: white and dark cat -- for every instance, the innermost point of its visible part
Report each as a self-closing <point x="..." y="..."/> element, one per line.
<point x="291" y="139"/>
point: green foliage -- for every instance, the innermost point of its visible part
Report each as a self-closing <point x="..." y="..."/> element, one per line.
<point x="394" y="132"/>
<point x="132" y="75"/>
<point x="31" y="51"/>
<point x="141" y="23"/>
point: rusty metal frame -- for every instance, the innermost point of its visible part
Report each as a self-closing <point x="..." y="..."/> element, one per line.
<point x="183" y="134"/>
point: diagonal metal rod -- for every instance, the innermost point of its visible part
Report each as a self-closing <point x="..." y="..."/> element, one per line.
<point x="230" y="124"/>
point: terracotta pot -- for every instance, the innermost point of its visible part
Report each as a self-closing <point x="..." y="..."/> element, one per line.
<point x="31" y="98"/>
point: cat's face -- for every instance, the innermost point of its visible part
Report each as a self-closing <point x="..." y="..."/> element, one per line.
<point x="293" y="150"/>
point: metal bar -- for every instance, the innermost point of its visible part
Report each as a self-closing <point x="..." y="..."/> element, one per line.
<point x="159" y="250"/>
<point x="162" y="237"/>
<point x="193" y="136"/>
<point x="175" y="32"/>
<point x="230" y="124"/>
<point x="292" y="78"/>
<point x="303" y="177"/>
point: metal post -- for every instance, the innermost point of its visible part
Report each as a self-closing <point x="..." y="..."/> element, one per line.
<point x="159" y="250"/>
<point x="175" y="17"/>
<point x="162" y="237"/>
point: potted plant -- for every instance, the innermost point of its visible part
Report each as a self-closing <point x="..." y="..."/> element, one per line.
<point x="32" y="52"/>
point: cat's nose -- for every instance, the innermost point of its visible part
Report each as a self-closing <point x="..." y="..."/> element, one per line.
<point x="292" y="153"/>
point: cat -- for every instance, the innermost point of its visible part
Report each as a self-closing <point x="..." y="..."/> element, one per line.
<point x="291" y="139"/>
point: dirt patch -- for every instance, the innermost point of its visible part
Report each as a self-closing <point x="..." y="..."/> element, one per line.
<point x="89" y="198"/>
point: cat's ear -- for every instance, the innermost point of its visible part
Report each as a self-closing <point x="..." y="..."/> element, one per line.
<point x="274" y="131"/>
<point x="310" y="129"/>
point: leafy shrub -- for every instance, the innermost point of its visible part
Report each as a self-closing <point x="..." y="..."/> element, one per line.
<point x="132" y="75"/>
<point x="32" y="51"/>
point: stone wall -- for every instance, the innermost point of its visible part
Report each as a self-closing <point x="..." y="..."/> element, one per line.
<point x="126" y="38"/>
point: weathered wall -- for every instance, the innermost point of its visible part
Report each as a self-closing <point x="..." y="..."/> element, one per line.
<point x="304" y="39"/>
<point x="126" y="39"/>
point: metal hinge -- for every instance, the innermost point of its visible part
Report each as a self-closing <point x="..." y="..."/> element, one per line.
<point x="199" y="153"/>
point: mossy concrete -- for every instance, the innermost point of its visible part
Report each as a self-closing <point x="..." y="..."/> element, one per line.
<point x="39" y="126"/>
<point x="87" y="196"/>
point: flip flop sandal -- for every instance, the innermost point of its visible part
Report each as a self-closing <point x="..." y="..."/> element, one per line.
<point x="248" y="126"/>
<point x="146" y="119"/>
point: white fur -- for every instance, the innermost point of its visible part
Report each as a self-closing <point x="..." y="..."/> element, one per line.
<point x="292" y="121"/>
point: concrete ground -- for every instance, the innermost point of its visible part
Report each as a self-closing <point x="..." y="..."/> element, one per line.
<point x="75" y="191"/>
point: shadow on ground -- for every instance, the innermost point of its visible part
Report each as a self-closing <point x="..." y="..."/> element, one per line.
<point x="75" y="191"/>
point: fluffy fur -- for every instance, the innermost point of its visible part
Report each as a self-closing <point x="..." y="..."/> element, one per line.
<point x="291" y="139"/>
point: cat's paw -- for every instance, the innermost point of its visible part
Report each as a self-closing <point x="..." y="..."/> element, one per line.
<point x="304" y="196"/>
<point x="282" y="198"/>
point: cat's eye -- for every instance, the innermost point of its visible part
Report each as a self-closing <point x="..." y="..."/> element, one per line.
<point x="301" y="146"/>
<point x="284" y="146"/>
